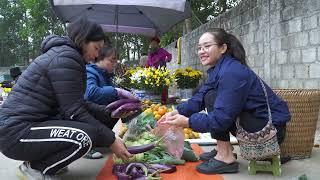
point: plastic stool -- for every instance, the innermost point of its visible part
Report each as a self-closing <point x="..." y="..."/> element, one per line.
<point x="274" y="166"/>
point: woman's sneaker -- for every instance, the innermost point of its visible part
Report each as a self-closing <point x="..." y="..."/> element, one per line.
<point x="93" y="154"/>
<point x="25" y="172"/>
<point x="63" y="170"/>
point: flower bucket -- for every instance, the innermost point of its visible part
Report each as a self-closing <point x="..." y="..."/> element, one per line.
<point x="153" y="97"/>
<point x="186" y="93"/>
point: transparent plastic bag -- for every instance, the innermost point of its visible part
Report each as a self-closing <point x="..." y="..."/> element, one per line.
<point x="138" y="125"/>
<point x="173" y="138"/>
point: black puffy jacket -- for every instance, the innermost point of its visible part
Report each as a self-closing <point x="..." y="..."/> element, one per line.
<point x="51" y="88"/>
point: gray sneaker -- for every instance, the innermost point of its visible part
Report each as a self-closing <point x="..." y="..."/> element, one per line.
<point x="25" y="172"/>
<point x="93" y="154"/>
<point x="63" y="170"/>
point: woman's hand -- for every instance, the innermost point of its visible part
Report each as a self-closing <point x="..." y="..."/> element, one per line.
<point x="120" y="150"/>
<point x="169" y="114"/>
<point x="176" y="120"/>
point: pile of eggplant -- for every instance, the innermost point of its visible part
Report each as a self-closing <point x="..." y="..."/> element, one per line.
<point x="125" y="107"/>
<point x="141" y="171"/>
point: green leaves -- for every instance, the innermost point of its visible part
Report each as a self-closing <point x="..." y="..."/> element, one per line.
<point x="23" y="26"/>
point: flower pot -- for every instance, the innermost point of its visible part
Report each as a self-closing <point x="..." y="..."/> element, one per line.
<point x="186" y="93"/>
<point x="141" y="94"/>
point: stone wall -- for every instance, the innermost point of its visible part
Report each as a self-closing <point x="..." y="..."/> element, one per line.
<point x="281" y="38"/>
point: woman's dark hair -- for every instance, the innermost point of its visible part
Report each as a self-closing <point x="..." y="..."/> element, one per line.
<point x="234" y="46"/>
<point x="105" y="51"/>
<point x="15" y="72"/>
<point x="156" y="39"/>
<point x="83" y="31"/>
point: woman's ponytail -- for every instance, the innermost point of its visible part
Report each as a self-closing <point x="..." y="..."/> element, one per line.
<point x="234" y="46"/>
<point x="235" y="49"/>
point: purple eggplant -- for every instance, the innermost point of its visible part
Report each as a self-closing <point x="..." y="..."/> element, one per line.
<point x="125" y="108"/>
<point x="142" y="178"/>
<point x="163" y="168"/>
<point x="134" y="173"/>
<point x="116" y="168"/>
<point x="122" y="176"/>
<point x="116" y="104"/>
<point x="141" y="149"/>
<point x="152" y="170"/>
<point x="136" y="170"/>
<point x="130" y="117"/>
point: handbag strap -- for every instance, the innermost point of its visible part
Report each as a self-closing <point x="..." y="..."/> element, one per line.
<point x="267" y="100"/>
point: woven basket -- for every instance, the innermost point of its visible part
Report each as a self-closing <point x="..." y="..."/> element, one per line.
<point x="304" y="107"/>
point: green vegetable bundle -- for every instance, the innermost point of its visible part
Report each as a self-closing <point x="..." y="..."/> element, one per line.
<point x="157" y="155"/>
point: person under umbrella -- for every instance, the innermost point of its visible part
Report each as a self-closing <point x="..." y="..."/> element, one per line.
<point x="45" y="120"/>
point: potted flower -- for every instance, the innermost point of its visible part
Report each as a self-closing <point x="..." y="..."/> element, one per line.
<point x="151" y="80"/>
<point x="187" y="79"/>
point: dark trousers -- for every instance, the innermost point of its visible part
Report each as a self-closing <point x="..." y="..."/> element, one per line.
<point x="51" y="145"/>
<point x="250" y="124"/>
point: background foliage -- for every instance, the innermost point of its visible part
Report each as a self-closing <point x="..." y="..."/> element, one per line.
<point x="25" y="23"/>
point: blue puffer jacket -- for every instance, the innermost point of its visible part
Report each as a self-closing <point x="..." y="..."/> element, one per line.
<point x="100" y="88"/>
<point x="238" y="89"/>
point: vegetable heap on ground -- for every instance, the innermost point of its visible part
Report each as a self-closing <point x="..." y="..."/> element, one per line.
<point x="150" y="155"/>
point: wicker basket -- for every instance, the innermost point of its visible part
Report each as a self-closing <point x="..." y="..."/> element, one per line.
<point x="304" y="107"/>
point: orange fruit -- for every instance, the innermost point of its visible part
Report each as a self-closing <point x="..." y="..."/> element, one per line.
<point x="149" y="110"/>
<point x="161" y="111"/>
<point x="185" y="130"/>
<point x="155" y="113"/>
<point x="164" y="107"/>
<point x="157" y="117"/>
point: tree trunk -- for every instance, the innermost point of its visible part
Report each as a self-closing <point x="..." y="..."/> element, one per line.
<point x="223" y="5"/>
<point x="188" y="25"/>
<point x="138" y="48"/>
<point x="128" y="51"/>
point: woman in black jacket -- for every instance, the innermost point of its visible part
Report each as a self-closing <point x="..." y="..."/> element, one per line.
<point x="45" y="121"/>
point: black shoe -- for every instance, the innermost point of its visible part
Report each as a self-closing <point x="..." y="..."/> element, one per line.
<point x="214" y="166"/>
<point x="210" y="155"/>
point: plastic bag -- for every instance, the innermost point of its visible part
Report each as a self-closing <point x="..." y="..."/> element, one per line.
<point x="173" y="138"/>
<point x="139" y="124"/>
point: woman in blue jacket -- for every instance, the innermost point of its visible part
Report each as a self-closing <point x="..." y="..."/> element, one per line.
<point x="100" y="87"/>
<point x="232" y="90"/>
